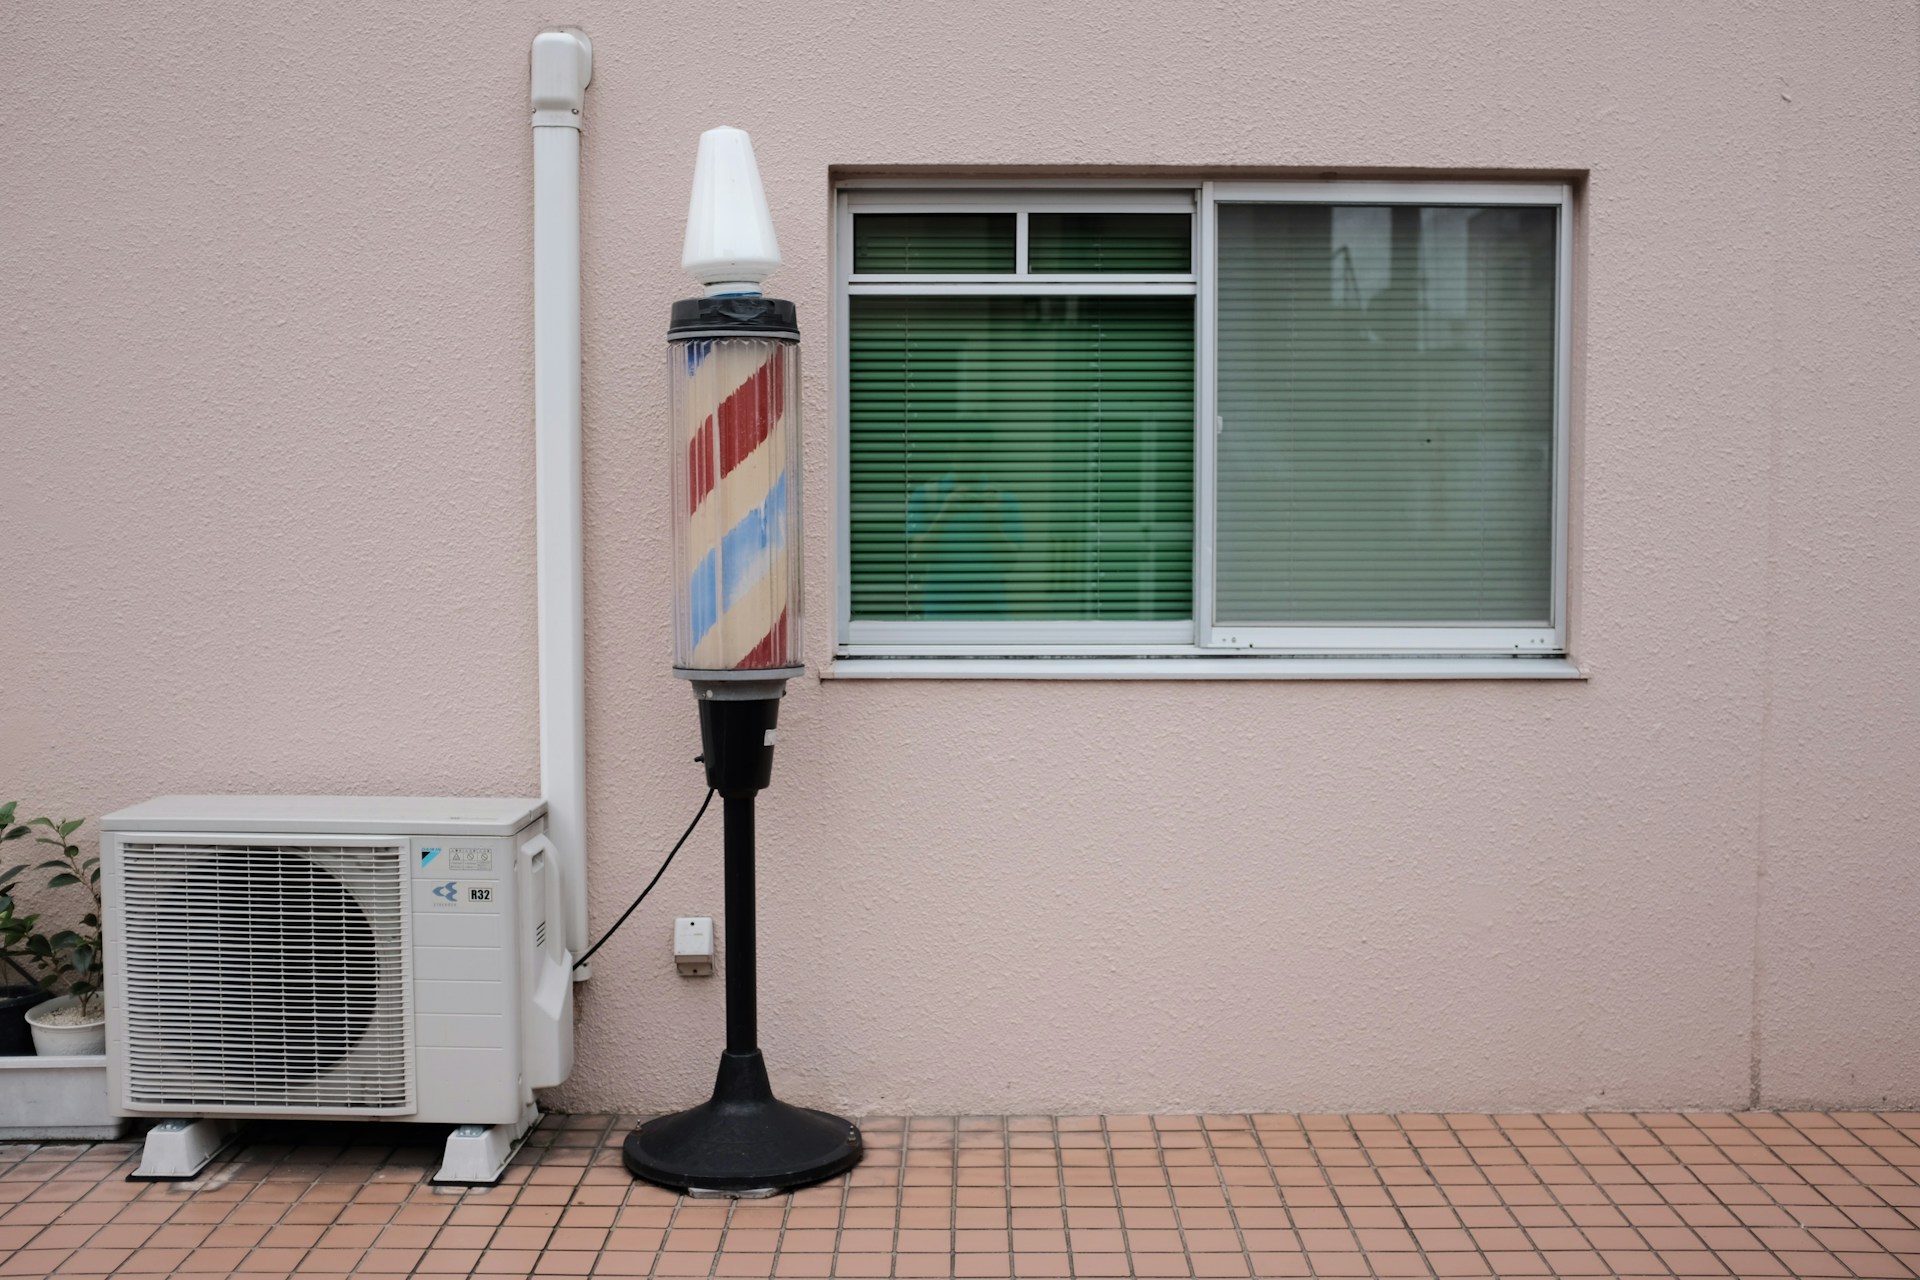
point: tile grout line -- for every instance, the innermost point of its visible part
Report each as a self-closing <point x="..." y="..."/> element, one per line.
<point x="1339" y="1201"/>
<point x="1440" y="1187"/>
<point x="1006" y="1188"/>
<point x="1846" y="1169"/>
<point x="899" y="1194"/>
<point x="1744" y="1170"/>
<point x="1226" y="1191"/>
<point x="1060" y="1176"/>
<point x="1629" y="1162"/>
<point x="1120" y="1208"/>
<point x="780" y="1236"/>
<point x="1590" y="1180"/>
<point x="1392" y="1201"/>
<point x="666" y="1234"/>
<point x="1706" y="1138"/>
<point x="1556" y="1190"/>
<point x="1173" y="1195"/>
<point x="1293" y="1227"/>
<point x="846" y="1202"/>
<point x="611" y="1128"/>
<point x="953" y="1204"/>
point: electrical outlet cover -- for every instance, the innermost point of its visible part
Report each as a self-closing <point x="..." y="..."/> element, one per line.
<point x="693" y="946"/>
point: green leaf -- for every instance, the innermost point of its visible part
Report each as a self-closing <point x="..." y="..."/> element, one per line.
<point x="90" y="920"/>
<point x="70" y="826"/>
<point x="62" y="880"/>
<point x="13" y="833"/>
<point x="38" y="946"/>
<point x="52" y="864"/>
<point x="6" y="811"/>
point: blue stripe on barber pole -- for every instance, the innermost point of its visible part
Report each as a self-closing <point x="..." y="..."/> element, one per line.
<point x="703" y="595"/>
<point x="748" y="547"/>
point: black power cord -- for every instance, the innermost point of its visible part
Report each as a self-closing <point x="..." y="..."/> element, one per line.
<point x="656" y="880"/>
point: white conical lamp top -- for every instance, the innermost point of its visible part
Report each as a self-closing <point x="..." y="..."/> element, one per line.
<point x="730" y="246"/>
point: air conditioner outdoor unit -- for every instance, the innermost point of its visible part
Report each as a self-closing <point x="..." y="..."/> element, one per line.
<point x="334" y="957"/>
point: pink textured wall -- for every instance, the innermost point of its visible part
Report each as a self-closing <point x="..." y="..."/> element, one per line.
<point x="267" y="525"/>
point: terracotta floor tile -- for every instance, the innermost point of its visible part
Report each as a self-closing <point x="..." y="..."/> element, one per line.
<point x="985" y="1266"/>
<point x="804" y="1265"/>
<point x="999" y="1198"/>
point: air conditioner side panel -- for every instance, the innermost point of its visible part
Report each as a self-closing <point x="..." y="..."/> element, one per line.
<point x="465" y="981"/>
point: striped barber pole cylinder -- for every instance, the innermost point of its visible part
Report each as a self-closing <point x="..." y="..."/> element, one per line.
<point x="734" y="373"/>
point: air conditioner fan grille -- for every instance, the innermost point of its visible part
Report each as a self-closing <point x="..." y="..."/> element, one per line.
<point x="266" y="977"/>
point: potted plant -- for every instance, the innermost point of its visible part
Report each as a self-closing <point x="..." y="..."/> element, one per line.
<point x="68" y="961"/>
<point x="20" y="987"/>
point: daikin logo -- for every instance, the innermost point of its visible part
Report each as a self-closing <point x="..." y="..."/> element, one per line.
<point x="428" y="855"/>
<point x="449" y="891"/>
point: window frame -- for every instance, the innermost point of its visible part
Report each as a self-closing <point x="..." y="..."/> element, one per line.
<point x="945" y="648"/>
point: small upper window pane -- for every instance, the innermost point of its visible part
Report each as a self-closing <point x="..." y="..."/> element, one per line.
<point x="1122" y="243"/>
<point x="933" y="243"/>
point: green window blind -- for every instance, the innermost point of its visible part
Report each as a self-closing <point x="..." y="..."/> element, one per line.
<point x="1021" y="458"/>
<point x="1386" y="396"/>
<point x="933" y="243"/>
<point x="1134" y="243"/>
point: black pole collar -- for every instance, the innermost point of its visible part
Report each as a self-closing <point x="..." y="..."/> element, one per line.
<point x="734" y="317"/>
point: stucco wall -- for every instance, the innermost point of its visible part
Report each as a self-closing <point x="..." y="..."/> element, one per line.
<point x="267" y="525"/>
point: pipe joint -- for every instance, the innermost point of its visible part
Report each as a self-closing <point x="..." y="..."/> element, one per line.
<point x="562" y="68"/>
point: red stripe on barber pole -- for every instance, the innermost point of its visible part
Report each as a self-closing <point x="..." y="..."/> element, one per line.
<point x="772" y="649"/>
<point x="749" y="413"/>
<point x="700" y="473"/>
<point x="743" y="420"/>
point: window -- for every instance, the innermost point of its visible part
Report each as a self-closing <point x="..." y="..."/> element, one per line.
<point x="1288" y="420"/>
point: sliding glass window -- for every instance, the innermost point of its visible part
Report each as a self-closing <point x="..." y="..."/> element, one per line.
<point x="1309" y="418"/>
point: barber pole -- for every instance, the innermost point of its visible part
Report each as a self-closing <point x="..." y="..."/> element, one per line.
<point x="734" y="454"/>
<point x="735" y="469"/>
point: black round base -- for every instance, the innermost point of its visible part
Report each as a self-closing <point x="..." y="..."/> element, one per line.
<point x="743" y="1141"/>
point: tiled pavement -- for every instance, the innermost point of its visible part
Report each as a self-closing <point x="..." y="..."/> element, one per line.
<point x="1696" y="1194"/>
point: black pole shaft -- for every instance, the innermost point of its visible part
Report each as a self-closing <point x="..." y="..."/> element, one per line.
<point x="743" y="999"/>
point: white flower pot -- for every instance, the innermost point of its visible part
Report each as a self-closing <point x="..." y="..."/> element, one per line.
<point x="53" y="1038"/>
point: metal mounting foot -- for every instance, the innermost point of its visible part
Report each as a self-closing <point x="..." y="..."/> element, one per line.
<point x="177" y="1150"/>
<point x="477" y="1154"/>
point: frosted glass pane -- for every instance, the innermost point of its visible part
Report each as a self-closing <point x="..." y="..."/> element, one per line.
<point x="1386" y="400"/>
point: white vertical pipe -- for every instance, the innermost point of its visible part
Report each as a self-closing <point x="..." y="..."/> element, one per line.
<point x="562" y="64"/>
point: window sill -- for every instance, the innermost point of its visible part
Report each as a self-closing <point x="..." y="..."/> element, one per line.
<point x="1221" y="668"/>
